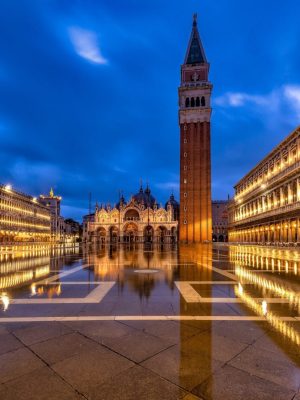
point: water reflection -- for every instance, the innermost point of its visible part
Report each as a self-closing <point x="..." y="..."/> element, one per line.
<point x="274" y="277"/>
<point x="158" y="266"/>
<point x="261" y="282"/>
<point x="21" y="269"/>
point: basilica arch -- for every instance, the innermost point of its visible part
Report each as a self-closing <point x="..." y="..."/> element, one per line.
<point x="131" y="233"/>
<point x="100" y="235"/>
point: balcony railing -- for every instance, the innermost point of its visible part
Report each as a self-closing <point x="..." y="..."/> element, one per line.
<point x="270" y="213"/>
<point x="287" y="171"/>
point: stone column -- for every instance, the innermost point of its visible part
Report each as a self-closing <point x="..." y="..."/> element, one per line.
<point x="298" y="189"/>
<point x="290" y="193"/>
<point x="289" y="238"/>
<point x="281" y="196"/>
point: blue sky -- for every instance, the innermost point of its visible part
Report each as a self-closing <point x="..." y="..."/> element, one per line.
<point x="88" y="92"/>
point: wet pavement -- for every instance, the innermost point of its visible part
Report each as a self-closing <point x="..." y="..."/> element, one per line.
<point x="202" y="322"/>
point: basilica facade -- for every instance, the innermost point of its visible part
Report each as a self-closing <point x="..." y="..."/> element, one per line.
<point x="140" y="220"/>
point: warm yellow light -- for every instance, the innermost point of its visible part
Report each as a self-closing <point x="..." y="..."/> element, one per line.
<point x="5" y="300"/>
<point x="263" y="186"/>
<point x="264" y="307"/>
<point x="8" y="187"/>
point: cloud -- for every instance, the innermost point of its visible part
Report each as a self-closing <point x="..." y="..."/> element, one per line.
<point x="292" y="94"/>
<point x="237" y="99"/>
<point x="86" y="45"/>
<point x="276" y="104"/>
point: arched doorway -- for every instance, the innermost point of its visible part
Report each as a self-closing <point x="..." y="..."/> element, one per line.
<point x="130" y="234"/>
<point x="113" y="234"/>
<point x="174" y="235"/>
<point x="148" y="234"/>
<point x="101" y="235"/>
<point x="161" y="234"/>
<point x="221" y="238"/>
<point x="214" y="238"/>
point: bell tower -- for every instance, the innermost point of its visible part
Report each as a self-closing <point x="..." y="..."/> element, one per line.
<point x="195" y="224"/>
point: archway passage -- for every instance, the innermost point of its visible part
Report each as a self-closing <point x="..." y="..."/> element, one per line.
<point x="161" y="234"/>
<point x="173" y="235"/>
<point x="101" y="235"/>
<point x="130" y="234"/>
<point x="148" y="234"/>
<point x="113" y="234"/>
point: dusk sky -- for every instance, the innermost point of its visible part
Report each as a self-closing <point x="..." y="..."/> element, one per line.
<point x="88" y="92"/>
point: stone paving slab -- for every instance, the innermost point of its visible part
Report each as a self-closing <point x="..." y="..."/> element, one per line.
<point x="271" y="366"/>
<point x="17" y="363"/>
<point x="137" y="383"/>
<point x="91" y="368"/>
<point x="60" y="348"/>
<point x="183" y="369"/>
<point x="137" y="346"/>
<point x="41" y="384"/>
<point x="229" y="383"/>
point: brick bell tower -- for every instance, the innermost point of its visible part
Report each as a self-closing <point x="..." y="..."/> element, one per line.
<point x="195" y="224"/>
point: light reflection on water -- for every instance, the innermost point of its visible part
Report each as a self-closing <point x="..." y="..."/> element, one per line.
<point x="151" y="273"/>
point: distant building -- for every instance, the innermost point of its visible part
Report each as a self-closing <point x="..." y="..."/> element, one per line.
<point x="72" y="230"/>
<point x="140" y="220"/>
<point x="266" y="205"/>
<point x="220" y="220"/>
<point x="57" y="221"/>
<point x="22" y="217"/>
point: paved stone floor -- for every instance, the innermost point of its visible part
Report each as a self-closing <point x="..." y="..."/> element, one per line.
<point x="202" y="322"/>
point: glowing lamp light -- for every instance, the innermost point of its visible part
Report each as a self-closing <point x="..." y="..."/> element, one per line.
<point x="264" y="307"/>
<point x="263" y="186"/>
<point x="5" y="300"/>
<point x="8" y="187"/>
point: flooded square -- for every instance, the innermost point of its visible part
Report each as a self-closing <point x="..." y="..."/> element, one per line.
<point x="181" y="322"/>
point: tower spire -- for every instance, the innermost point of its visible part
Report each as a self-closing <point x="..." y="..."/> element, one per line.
<point x="195" y="52"/>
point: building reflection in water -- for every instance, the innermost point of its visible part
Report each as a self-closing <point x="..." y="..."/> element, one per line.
<point x="273" y="274"/>
<point x="20" y="269"/>
<point x="128" y="266"/>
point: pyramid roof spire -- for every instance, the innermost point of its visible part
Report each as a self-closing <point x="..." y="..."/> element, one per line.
<point x="195" y="52"/>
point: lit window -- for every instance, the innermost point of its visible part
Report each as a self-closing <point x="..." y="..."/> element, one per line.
<point x="185" y="181"/>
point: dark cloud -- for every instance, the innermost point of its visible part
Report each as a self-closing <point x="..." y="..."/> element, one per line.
<point x="89" y="126"/>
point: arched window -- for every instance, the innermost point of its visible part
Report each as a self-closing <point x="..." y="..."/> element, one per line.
<point x="187" y="102"/>
<point x="192" y="102"/>
<point x="202" y="101"/>
<point x="197" y="102"/>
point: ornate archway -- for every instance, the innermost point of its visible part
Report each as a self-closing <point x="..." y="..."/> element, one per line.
<point x="148" y="234"/>
<point x="132" y="215"/>
<point x="130" y="233"/>
<point x="161" y="234"/>
<point x="113" y="234"/>
<point x="101" y="235"/>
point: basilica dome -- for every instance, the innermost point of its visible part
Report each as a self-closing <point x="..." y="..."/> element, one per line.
<point x="144" y="197"/>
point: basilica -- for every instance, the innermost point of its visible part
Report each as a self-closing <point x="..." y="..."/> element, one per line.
<point x="140" y="220"/>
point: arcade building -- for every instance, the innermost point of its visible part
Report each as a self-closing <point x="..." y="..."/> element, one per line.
<point x="266" y="205"/>
<point x="140" y="220"/>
